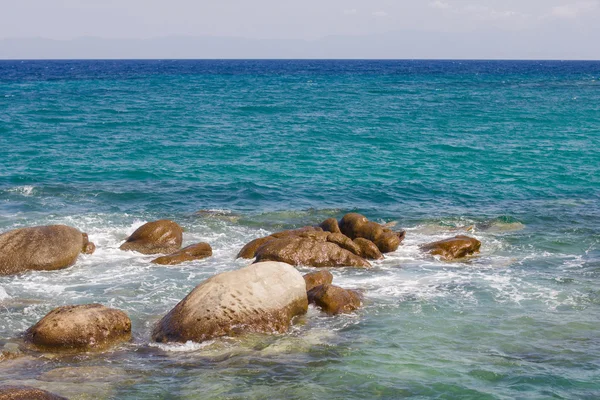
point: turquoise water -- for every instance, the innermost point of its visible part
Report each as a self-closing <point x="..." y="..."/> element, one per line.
<point x="504" y="151"/>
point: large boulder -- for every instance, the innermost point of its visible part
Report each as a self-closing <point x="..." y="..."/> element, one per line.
<point x="310" y="252"/>
<point x="262" y="298"/>
<point x="317" y="278"/>
<point x="453" y="248"/>
<point x="368" y="249"/>
<point x="26" y="393"/>
<point x="80" y="328"/>
<point x="190" y="253"/>
<point x="358" y="226"/>
<point x="41" y="248"/>
<point x="163" y="236"/>
<point x="333" y="299"/>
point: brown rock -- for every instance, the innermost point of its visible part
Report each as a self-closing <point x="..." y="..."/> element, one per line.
<point x="194" y="252"/>
<point x="80" y="328"/>
<point x="249" y="250"/>
<point x="368" y="249"/>
<point x="262" y="297"/>
<point x="358" y="226"/>
<point x="317" y="278"/>
<point x="26" y="393"/>
<point x="41" y="248"/>
<point x="453" y="248"/>
<point x="333" y="299"/>
<point x="298" y="251"/>
<point x="163" y="236"/>
<point x="344" y="242"/>
<point x="330" y="225"/>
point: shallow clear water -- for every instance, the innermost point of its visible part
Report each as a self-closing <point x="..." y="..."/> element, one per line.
<point x="507" y="150"/>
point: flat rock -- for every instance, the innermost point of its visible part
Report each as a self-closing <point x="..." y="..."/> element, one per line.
<point x="453" y="248"/>
<point x="190" y="253"/>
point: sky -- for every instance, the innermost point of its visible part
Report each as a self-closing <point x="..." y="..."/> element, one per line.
<point x="573" y="23"/>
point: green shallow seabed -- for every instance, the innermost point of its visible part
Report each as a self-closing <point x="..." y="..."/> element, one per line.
<point x="504" y="151"/>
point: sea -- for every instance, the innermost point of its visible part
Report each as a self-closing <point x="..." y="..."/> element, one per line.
<point x="505" y="151"/>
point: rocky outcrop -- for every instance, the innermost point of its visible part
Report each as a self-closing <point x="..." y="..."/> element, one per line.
<point x="80" y="328"/>
<point x="453" y="248"/>
<point x="317" y="278"/>
<point x="358" y="226"/>
<point x="262" y="297"/>
<point x="296" y="250"/>
<point x="368" y="249"/>
<point x="41" y="248"/>
<point x="163" y="236"/>
<point x="330" y="225"/>
<point x="249" y="250"/>
<point x="333" y="299"/>
<point x="26" y="393"/>
<point x="190" y="253"/>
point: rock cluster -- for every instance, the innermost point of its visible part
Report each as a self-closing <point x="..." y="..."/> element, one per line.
<point x="347" y="243"/>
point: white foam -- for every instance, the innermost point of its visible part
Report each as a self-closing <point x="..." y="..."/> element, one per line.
<point x="3" y="294"/>
<point x="26" y="190"/>
<point x="186" y="347"/>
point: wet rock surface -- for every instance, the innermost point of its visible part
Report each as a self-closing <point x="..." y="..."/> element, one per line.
<point x="163" y="236"/>
<point x="190" y="253"/>
<point x="453" y="248"/>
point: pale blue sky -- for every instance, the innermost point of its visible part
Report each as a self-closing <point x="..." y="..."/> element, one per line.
<point x="572" y="25"/>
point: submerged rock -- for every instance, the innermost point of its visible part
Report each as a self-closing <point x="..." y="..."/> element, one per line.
<point x="190" y="253"/>
<point x="261" y="298"/>
<point x="80" y="328"/>
<point x="356" y="225"/>
<point x="307" y="251"/>
<point x="333" y="299"/>
<point x="26" y="393"/>
<point x="163" y="236"/>
<point x="317" y="278"/>
<point x="453" y="248"/>
<point x="368" y="249"/>
<point x="41" y="248"/>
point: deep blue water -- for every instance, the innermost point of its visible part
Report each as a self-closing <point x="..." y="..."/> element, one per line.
<point x="509" y="147"/>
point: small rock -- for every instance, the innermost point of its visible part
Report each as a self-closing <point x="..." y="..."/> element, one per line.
<point x="317" y="278"/>
<point x="190" y="253"/>
<point x="163" y="236"/>
<point x="368" y="249"/>
<point x="453" y="248"/>
<point x="26" y="393"/>
<point x="333" y="299"/>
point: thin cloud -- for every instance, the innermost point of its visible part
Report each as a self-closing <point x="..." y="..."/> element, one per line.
<point x="380" y="13"/>
<point x="440" y="5"/>
<point x="573" y="10"/>
<point x="351" y="12"/>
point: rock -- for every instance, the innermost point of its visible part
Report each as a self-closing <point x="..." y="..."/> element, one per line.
<point x="26" y="393"/>
<point x="368" y="249"/>
<point x="344" y="242"/>
<point x="317" y="278"/>
<point x="260" y="298"/>
<point x="41" y="248"/>
<point x="333" y="299"/>
<point x="163" y="236"/>
<point x="10" y="351"/>
<point x="453" y="248"/>
<point x="190" y="253"/>
<point x="80" y="328"/>
<point x="330" y="225"/>
<point x="249" y="250"/>
<point x="358" y="226"/>
<point x="308" y="252"/>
